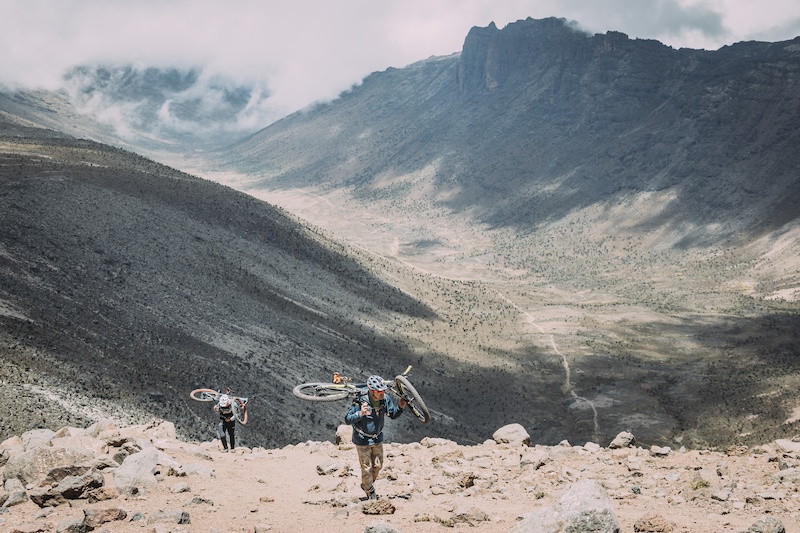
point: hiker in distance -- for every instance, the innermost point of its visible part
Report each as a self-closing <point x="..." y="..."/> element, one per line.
<point x="226" y="422"/>
<point x="366" y="415"/>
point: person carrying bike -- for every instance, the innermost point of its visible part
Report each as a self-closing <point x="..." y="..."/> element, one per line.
<point x="366" y="415"/>
<point x="227" y="424"/>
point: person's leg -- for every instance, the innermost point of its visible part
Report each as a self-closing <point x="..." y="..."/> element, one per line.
<point x="365" y="462"/>
<point x="221" y="435"/>
<point x="232" y="433"/>
<point x="377" y="460"/>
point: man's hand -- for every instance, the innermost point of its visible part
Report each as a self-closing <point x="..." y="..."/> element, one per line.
<point x="402" y="403"/>
<point x="365" y="409"/>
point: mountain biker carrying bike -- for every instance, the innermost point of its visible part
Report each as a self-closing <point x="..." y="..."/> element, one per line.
<point x="226" y="422"/>
<point x="366" y="415"/>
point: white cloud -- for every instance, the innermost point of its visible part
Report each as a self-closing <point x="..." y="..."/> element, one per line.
<point x="309" y="50"/>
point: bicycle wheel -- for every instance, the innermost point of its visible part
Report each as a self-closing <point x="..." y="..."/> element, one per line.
<point x="413" y="398"/>
<point x="321" y="392"/>
<point x="240" y="411"/>
<point x="204" y="395"/>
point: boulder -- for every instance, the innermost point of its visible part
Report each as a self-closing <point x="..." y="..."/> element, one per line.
<point x="430" y="442"/>
<point x="585" y="507"/>
<point x="33" y="466"/>
<point x="767" y="524"/>
<point x="93" y="518"/>
<point x="172" y="516"/>
<point x="69" y="488"/>
<point x="653" y="523"/>
<point x="344" y="435"/>
<point x="381" y="527"/>
<point x="15" y="498"/>
<point x="788" y="446"/>
<point x="379" y="506"/>
<point x="660" y="451"/>
<point x="512" y="434"/>
<point x="71" y="525"/>
<point x="139" y="470"/>
<point x="622" y="440"/>
<point x="99" y="427"/>
<point x="328" y="468"/>
<point x="788" y="475"/>
<point x="36" y="437"/>
<point x="73" y="487"/>
<point x="160" y="430"/>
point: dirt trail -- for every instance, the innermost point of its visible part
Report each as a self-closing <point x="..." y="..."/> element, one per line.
<point x="567" y="387"/>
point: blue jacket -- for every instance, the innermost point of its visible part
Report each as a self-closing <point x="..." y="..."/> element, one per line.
<point x="368" y="430"/>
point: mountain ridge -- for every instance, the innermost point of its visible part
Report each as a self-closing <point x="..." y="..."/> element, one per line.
<point x="612" y="116"/>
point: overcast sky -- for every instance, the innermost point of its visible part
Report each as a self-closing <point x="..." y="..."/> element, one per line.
<point x="308" y="50"/>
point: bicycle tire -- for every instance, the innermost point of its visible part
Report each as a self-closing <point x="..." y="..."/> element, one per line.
<point x="415" y="403"/>
<point x="204" y="395"/>
<point x="321" y="392"/>
<point x="240" y="411"/>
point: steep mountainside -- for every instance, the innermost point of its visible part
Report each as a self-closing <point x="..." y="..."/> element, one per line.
<point x="125" y="284"/>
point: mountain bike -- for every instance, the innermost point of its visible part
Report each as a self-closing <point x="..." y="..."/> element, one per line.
<point x="238" y="403"/>
<point x="342" y="387"/>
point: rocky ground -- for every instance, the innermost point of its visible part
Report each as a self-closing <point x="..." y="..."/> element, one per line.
<point x="141" y="478"/>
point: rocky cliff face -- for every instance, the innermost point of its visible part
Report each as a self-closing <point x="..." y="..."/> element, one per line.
<point x="540" y="102"/>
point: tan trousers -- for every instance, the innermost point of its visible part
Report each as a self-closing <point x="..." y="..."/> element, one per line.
<point x="370" y="458"/>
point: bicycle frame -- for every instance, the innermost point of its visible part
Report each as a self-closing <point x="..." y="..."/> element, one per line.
<point x="341" y="387"/>
<point x="210" y="395"/>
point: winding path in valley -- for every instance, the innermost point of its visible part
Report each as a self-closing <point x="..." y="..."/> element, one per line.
<point x="567" y="386"/>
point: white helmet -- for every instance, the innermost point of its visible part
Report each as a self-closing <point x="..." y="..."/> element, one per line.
<point x="224" y="400"/>
<point x="376" y="383"/>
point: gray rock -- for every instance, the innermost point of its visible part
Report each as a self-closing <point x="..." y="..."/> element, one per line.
<point x="584" y="508"/>
<point x="72" y="525"/>
<point x="33" y="466"/>
<point x="73" y="487"/>
<point x="344" y="434"/>
<point x="789" y="475"/>
<point x="788" y="446"/>
<point x="15" y="498"/>
<point x="45" y="497"/>
<point x="173" y="516"/>
<point x="653" y="523"/>
<point x="36" y="437"/>
<point x="767" y="524"/>
<point x="512" y="434"/>
<point x="198" y="470"/>
<point x="55" y="475"/>
<point x="94" y="518"/>
<point x="622" y="440"/>
<point x="179" y="488"/>
<point x="660" y="451"/>
<point x="381" y="527"/>
<point x="13" y="484"/>
<point x="327" y="469"/>
<point x="138" y="471"/>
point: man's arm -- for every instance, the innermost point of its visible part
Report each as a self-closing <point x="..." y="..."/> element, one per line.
<point x="394" y="409"/>
<point x="353" y="415"/>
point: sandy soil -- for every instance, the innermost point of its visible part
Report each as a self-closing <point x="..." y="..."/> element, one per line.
<point x="426" y="487"/>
